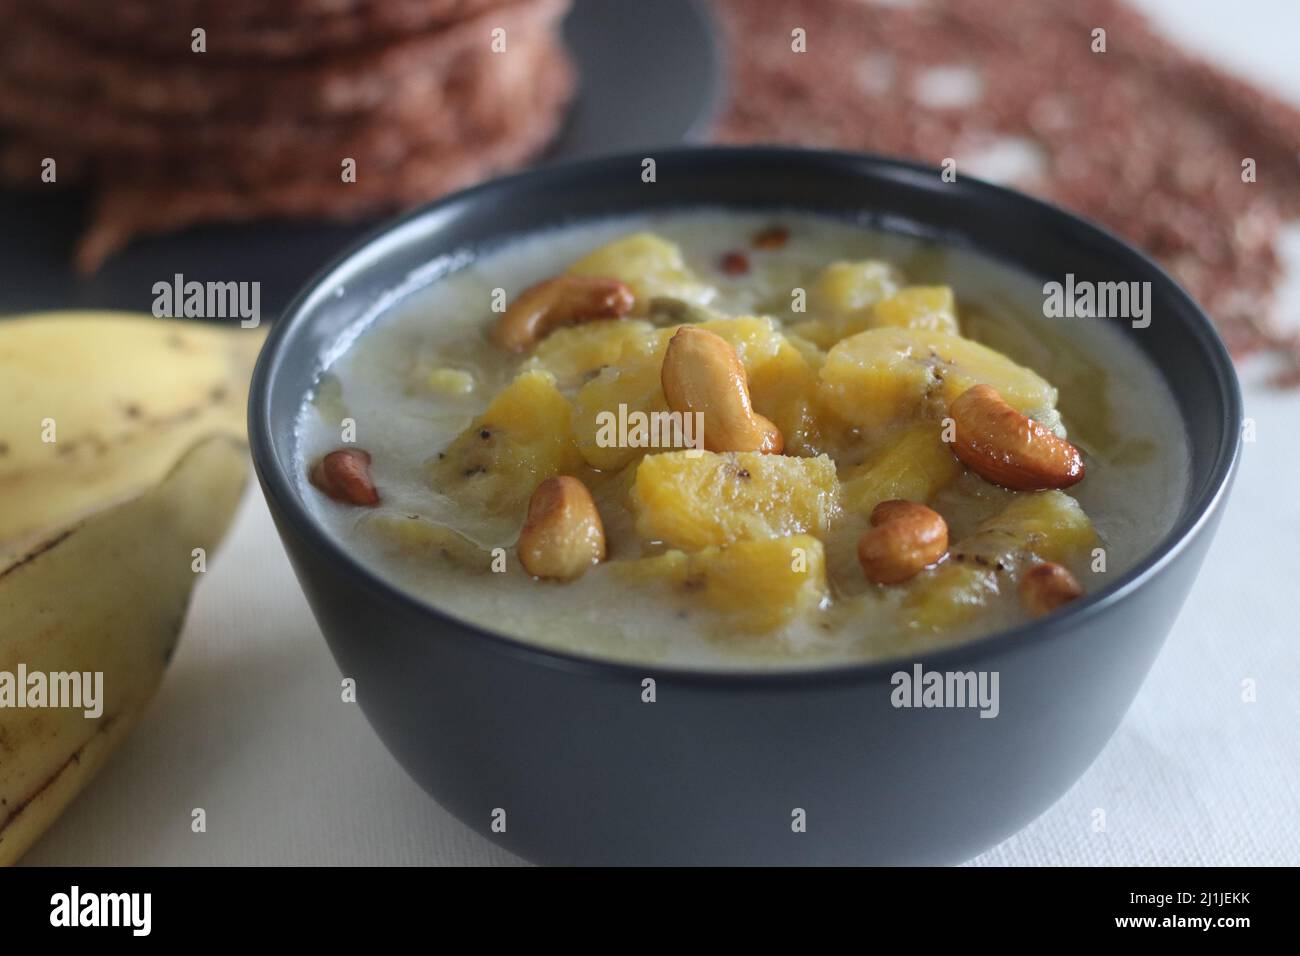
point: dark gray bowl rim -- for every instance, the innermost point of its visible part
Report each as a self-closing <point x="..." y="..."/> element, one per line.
<point x="280" y="487"/>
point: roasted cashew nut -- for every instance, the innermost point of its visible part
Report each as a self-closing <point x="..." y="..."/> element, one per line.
<point x="564" y="300"/>
<point x="904" y="539"/>
<point x="344" y="475"/>
<point x="1047" y="586"/>
<point x="1000" y="445"/>
<point x="563" y="535"/>
<point x="702" y="373"/>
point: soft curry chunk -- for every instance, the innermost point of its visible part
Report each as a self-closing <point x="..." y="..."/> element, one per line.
<point x="913" y="465"/>
<point x="1041" y="526"/>
<point x="622" y="391"/>
<point x="842" y="298"/>
<point x="418" y="538"/>
<point x="523" y="438"/>
<point x="573" y="354"/>
<point x="650" y="265"/>
<point x="753" y="585"/>
<point x="879" y="377"/>
<point x="1047" y="525"/>
<point x="918" y="307"/>
<point x="693" y="500"/>
<point x="757" y="437"/>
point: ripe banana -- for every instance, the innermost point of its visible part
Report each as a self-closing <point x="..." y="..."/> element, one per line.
<point x="97" y="539"/>
<point x="96" y="407"/>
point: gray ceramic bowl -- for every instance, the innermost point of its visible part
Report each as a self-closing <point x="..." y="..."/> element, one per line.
<point x="716" y="769"/>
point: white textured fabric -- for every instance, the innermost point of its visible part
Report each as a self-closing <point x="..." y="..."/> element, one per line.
<point x="1196" y="774"/>
<point x="249" y="724"/>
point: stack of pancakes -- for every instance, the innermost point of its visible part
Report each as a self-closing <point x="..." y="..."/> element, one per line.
<point x="422" y="96"/>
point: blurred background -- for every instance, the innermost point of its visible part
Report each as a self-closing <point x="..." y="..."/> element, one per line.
<point x="236" y="139"/>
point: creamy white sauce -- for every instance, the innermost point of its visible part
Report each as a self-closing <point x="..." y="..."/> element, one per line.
<point x="1132" y="496"/>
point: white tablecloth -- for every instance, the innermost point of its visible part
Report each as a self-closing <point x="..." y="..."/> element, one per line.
<point x="249" y="724"/>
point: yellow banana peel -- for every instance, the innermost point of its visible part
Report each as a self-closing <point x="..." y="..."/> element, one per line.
<point x="122" y="461"/>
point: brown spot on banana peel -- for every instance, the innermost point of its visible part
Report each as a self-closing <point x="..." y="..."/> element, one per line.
<point x="37" y="551"/>
<point x="74" y="759"/>
<point x="106" y="725"/>
<point x="100" y="445"/>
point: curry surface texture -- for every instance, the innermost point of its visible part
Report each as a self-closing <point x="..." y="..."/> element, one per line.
<point x="855" y="347"/>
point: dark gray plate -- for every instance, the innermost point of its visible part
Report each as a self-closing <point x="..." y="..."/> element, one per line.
<point x="650" y="76"/>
